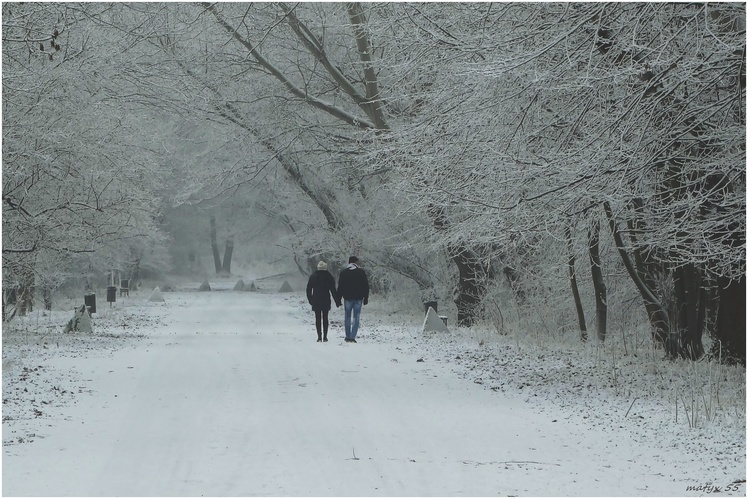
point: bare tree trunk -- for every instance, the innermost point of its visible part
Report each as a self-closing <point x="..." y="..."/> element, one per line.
<point x="134" y="275"/>
<point x="470" y="285"/>
<point x="601" y="293"/>
<point x="373" y="104"/>
<point x="645" y="269"/>
<point x="47" y="297"/>
<point x="658" y="315"/>
<point x="689" y="303"/>
<point x="471" y="276"/>
<point x="10" y="297"/>
<point x="730" y="327"/>
<point x="214" y="244"/>
<point x="575" y="288"/>
<point x="26" y="291"/>
<point x="226" y="268"/>
<point x="730" y="324"/>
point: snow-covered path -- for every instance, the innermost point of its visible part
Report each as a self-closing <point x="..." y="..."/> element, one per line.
<point x="232" y="396"/>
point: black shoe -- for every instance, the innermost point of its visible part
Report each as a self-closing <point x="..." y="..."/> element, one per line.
<point x="319" y="340"/>
<point x="353" y="341"/>
<point x="347" y="340"/>
<point x="324" y="339"/>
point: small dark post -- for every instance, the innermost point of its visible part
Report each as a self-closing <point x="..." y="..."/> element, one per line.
<point x="111" y="294"/>
<point x="429" y="304"/>
<point x="90" y="300"/>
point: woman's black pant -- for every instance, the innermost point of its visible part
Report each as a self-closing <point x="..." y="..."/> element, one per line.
<point x="321" y="322"/>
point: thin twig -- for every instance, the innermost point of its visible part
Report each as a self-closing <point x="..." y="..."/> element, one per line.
<point x="632" y="405"/>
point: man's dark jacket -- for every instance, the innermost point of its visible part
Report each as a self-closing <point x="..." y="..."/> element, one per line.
<point x="353" y="284"/>
<point x="320" y="286"/>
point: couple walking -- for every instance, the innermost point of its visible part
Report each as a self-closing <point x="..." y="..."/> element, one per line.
<point x="353" y="289"/>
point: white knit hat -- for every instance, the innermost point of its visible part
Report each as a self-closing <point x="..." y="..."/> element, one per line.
<point x="321" y="266"/>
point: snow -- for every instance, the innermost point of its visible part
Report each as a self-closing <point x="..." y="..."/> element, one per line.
<point x="228" y="394"/>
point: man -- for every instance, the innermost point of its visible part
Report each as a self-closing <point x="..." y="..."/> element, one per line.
<point x="353" y="288"/>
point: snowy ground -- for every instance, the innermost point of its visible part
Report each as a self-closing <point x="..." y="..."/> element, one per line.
<point x="227" y="393"/>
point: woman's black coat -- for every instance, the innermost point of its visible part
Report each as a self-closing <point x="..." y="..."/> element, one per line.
<point x="319" y="288"/>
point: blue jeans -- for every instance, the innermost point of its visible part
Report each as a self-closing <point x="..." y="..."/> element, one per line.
<point x="352" y="328"/>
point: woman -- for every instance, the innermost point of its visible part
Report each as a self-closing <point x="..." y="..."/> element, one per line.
<point x="319" y="289"/>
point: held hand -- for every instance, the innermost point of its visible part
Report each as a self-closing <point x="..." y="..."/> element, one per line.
<point x="366" y="301"/>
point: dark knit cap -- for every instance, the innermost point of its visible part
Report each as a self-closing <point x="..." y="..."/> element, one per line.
<point x="352" y="259"/>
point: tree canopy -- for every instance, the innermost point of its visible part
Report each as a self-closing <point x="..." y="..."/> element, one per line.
<point x="463" y="146"/>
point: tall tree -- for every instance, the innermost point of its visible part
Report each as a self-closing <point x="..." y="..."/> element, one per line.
<point x="76" y="166"/>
